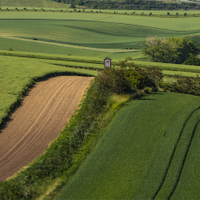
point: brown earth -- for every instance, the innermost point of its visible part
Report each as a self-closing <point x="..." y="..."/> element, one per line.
<point x="35" y="124"/>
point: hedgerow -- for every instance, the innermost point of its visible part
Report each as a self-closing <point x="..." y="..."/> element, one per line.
<point x="186" y="85"/>
<point x="128" y="77"/>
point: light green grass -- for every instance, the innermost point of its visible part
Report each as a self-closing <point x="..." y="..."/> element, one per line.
<point x="173" y="24"/>
<point x="87" y="34"/>
<point x="123" y="157"/>
<point x="16" y="74"/>
<point x="146" y="12"/>
<point x="169" y="66"/>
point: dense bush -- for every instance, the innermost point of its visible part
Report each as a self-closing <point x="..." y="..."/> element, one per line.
<point x="129" y="77"/>
<point x="170" y="50"/>
<point x="192" y="60"/>
<point x="184" y="85"/>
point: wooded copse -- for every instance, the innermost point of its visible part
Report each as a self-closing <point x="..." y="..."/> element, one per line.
<point x="170" y="50"/>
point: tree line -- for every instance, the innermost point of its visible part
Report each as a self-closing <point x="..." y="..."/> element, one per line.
<point x="133" y="4"/>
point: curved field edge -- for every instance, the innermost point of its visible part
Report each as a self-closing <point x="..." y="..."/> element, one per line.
<point x="125" y="163"/>
<point x="25" y="72"/>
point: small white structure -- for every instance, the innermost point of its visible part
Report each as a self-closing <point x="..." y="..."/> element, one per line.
<point x="107" y="62"/>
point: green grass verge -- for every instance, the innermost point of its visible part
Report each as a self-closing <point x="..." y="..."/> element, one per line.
<point x="122" y="160"/>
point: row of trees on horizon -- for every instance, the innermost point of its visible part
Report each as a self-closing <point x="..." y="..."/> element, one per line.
<point x="133" y="4"/>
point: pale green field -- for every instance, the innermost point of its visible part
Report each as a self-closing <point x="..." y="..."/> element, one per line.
<point x="88" y="34"/>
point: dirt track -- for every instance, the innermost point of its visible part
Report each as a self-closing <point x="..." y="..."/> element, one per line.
<point x="35" y="124"/>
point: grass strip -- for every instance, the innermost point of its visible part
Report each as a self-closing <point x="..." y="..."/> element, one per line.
<point x="169" y="66"/>
<point x="81" y="65"/>
<point x="54" y="57"/>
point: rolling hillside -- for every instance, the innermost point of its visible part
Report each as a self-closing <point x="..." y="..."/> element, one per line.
<point x="96" y="35"/>
<point x="148" y="151"/>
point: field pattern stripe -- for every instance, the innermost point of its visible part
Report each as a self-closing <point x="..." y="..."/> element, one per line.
<point x="180" y="172"/>
<point x="170" y="161"/>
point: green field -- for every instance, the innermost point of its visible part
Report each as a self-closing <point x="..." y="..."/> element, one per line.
<point x="147" y="148"/>
<point x="88" y="34"/>
<point x="150" y="148"/>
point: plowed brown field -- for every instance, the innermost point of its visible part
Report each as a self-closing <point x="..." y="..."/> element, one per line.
<point x="35" y="124"/>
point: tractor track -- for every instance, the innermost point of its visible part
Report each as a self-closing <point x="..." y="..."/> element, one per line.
<point x="172" y="156"/>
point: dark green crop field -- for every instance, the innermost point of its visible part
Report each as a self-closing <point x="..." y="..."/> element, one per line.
<point x="144" y="153"/>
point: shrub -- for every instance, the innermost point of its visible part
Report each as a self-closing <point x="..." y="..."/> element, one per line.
<point x="192" y="60"/>
<point x="128" y="58"/>
<point x="184" y="85"/>
<point x="170" y="50"/>
<point x="10" y="49"/>
<point x="128" y="78"/>
<point x="185" y="14"/>
<point x="168" y="13"/>
<point x="72" y="5"/>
